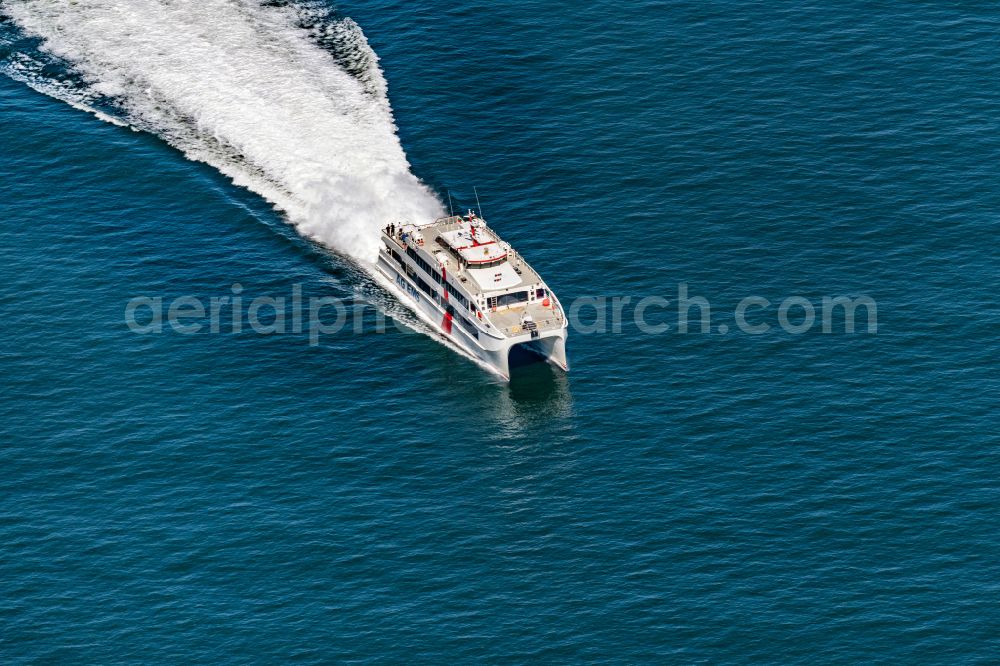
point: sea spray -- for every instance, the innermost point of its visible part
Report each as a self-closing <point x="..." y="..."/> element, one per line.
<point x="285" y="99"/>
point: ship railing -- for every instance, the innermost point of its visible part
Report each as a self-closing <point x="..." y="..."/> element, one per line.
<point x="541" y="325"/>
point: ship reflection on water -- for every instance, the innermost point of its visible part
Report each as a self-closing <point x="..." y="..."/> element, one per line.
<point x="536" y="393"/>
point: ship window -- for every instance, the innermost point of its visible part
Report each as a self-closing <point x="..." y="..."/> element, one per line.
<point x="426" y="288"/>
<point x="489" y="264"/>
<point x="539" y="293"/>
<point x="512" y="299"/>
<point x="468" y="326"/>
<point x="457" y="295"/>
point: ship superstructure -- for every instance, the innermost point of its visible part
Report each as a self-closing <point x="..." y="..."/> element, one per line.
<point x="477" y="291"/>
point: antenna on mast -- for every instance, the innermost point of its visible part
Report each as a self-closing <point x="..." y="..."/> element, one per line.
<point x="451" y="209"/>
<point x="477" y="201"/>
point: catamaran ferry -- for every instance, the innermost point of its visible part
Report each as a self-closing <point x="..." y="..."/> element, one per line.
<point x="473" y="287"/>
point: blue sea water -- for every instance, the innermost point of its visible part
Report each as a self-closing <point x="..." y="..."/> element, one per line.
<point x="704" y="497"/>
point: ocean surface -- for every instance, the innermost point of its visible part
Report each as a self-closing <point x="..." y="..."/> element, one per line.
<point x="369" y="495"/>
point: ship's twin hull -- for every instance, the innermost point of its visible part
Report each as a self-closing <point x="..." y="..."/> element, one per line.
<point x="491" y="351"/>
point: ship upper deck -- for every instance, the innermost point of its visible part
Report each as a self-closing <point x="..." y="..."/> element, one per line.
<point x="473" y="253"/>
<point x="503" y="291"/>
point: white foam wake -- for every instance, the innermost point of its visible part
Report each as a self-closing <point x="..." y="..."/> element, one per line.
<point x="283" y="99"/>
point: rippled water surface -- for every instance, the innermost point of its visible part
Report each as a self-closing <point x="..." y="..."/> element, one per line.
<point x="708" y="497"/>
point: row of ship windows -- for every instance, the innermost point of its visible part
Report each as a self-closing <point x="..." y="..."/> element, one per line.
<point x="462" y="321"/>
<point x="435" y="275"/>
<point x="516" y="297"/>
<point x="430" y="291"/>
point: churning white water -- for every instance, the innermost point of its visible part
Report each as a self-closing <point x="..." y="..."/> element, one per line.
<point x="285" y="100"/>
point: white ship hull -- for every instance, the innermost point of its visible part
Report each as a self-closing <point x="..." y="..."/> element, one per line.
<point x="490" y="348"/>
